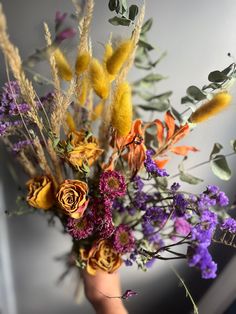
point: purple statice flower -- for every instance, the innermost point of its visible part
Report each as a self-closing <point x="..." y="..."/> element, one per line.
<point x="175" y="187"/>
<point x="112" y="184"/>
<point x="150" y="263"/>
<point x="152" y="167"/>
<point x="17" y="147"/>
<point x="213" y="189"/>
<point x="180" y="203"/>
<point x="123" y="239"/>
<point x="229" y="225"/>
<point x="4" y="126"/>
<point x="182" y="226"/>
<point x="128" y="262"/>
<point x="140" y="200"/>
<point x="209" y="219"/>
<point x="156" y="214"/>
<point x="118" y="205"/>
<point x="138" y="183"/>
<point x="80" y="228"/>
<point x="204" y="202"/>
<point x="222" y="199"/>
<point x="151" y="234"/>
<point x="199" y="256"/>
<point x="60" y="17"/>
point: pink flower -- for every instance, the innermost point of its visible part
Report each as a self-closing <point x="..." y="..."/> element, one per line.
<point x="182" y="227"/>
<point x="123" y="239"/>
<point x="112" y="184"/>
<point x="80" y="228"/>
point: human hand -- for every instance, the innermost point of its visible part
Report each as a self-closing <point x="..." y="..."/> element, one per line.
<point x="102" y="290"/>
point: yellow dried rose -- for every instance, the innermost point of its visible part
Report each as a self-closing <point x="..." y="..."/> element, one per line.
<point x="72" y="197"/>
<point x="101" y="257"/>
<point x="40" y="192"/>
<point x="85" y="149"/>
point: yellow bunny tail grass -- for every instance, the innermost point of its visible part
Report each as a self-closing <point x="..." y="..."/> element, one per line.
<point x="219" y="102"/>
<point x="107" y="53"/>
<point x="70" y="121"/>
<point x="83" y="91"/>
<point x="97" y="112"/>
<point x="82" y="62"/>
<point x="122" y="110"/>
<point x="64" y="69"/>
<point x="119" y="57"/>
<point x="99" y="80"/>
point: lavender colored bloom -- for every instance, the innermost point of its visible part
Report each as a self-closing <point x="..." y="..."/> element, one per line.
<point x="60" y="17"/>
<point x="205" y="202"/>
<point x="123" y="239"/>
<point x="128" y="262"/>
<point x="140" y="200"/>
<point x="175" y="187"/>
<point x="17" y="147"/>
<point x="151" y="235"/>
<point x="138" y="183"/>
<point x="199" y="256"/>
<point x="213" y="189"/>
<point x="80" y="228"/>
<point x="112" y="184"/>
<point x="150" y="263"/>
<point x="4" y="127"/>
<point x="152" y="167"/>
<point x="229" y="225"/>
<point x="180" y="204"/>
<point x="156" y="214"/>
<point x="182" y="226"/>
<point x="222" y="199"/>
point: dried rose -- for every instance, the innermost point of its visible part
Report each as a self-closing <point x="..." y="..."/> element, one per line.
<point x="85" y="149"/>
<point x="72" y="197"/>
<point x="101" y="257"/>
<point x="40" y="192"/>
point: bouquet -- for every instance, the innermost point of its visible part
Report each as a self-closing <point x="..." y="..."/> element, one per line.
<point x="95" y="162"/>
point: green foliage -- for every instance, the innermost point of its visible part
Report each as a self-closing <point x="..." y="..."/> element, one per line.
<point x="125" y="15"/>
<point x="186" y="177"/>
<point x="220" y="167"/>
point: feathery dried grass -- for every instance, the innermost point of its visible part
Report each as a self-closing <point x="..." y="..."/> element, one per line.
<point x="41" y="156"/>
<point x="63" y="66"/>
<point x="26" y="164"/>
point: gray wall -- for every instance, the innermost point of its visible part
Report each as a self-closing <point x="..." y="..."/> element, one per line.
<point x="197" y="36"/>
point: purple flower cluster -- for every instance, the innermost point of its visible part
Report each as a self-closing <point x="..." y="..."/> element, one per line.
<point x="201" y="235"/>
<point x="11" y="105"/>
<point x="200" y="257"/>
<point x="17" y="147"/>
<point x="152" y="167"/>
<point x="156" y="215"/>
<point x="212" y="197"/>
<point x="229" y="225"/>
<point x="182" y="226"/>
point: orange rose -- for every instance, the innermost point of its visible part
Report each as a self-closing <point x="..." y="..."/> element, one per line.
<point x="72" y="197"/>
<point x="41" y="192"/>
<point x="85" y="149"/>
<point x="101" y="256"/>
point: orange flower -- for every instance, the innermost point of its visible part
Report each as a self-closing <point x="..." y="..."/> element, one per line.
<point x="40" y="192"/>
<point x="72" y="197"/>
<point x="85" y="149"/>
<point x="101" y="257"/>
<point x="134" y="142"/>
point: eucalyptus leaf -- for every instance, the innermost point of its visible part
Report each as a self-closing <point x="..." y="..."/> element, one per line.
<point x="162" y="96"/>
<point x="155" y="106"/>
<point x="113" y="5"/>
<point x="217" y="77"/>
<point x="187" y="99"/>
<point x="233" y="144"/>
<point x="145" y="45"/>
<point x="119" y="21"/>
<point x="147" y="26"/>
<point x="195" y="93"/>
<point x="161" y="182"/>
<point x="124" y="6"/>
<point x="133" y="12"/>
<point x="220" y="167"/>
<point x="150" y="78"/>
<point x="186" y="177"/>
<point x="227" y="70"/>
<point x="216" y="149"/>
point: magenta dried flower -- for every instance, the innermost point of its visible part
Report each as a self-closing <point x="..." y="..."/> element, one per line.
<point x="112" y="184"/>
<point x="100" y="209"/>
<point x="123" y="239"/>
<point x="106" y="228"/>
<point x="80" y="228"/>
<point x="128" y="294"/>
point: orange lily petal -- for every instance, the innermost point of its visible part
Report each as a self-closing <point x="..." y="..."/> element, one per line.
<point x="161" y="163"/>
<point x="182" y="132"/>
<point x="170" y="123"/>
<point x="183" y="150"/>
<point x="160" y="132"/>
